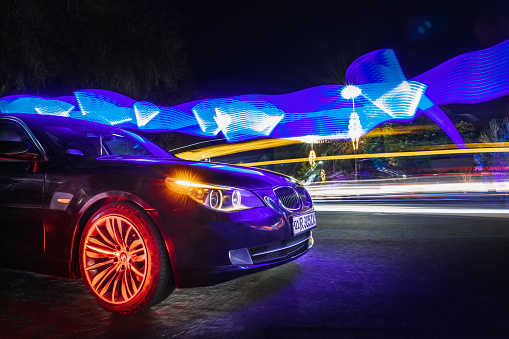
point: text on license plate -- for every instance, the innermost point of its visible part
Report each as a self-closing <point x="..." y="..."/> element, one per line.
<point x="303" y="222"/>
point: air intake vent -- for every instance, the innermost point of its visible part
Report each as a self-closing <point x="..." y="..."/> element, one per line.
<point x="288" y="198"/>
<point x="280" y="250"/>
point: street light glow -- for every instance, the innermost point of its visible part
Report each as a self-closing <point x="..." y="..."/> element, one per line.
<point x="350" y="92"/>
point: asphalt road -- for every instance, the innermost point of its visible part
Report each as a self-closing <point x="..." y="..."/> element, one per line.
<point x="371" y="274"/>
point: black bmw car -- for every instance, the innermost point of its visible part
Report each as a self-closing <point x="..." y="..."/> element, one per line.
<point x="82" y="199"/>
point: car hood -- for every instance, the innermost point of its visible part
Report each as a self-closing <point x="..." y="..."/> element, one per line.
<point x="179" y="169"/>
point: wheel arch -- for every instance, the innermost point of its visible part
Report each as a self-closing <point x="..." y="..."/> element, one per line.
<point x="92" y="206"/>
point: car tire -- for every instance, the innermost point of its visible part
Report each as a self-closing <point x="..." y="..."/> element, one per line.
<point x="123" y="259"/>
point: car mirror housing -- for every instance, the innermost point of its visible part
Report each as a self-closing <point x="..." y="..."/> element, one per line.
<point x="72" y="151"/>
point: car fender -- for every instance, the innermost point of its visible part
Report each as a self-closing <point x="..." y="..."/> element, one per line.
<point x="96" y="202"/>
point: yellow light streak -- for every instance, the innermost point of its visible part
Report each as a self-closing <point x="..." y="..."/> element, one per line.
<point x="226" y="149"/>
<point x="396" y="130"/>
<point x="383" y="155"/>
<point x="471" y="145"/>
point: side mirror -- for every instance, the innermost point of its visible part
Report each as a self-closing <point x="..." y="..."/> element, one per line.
<point x="16" y="150"/>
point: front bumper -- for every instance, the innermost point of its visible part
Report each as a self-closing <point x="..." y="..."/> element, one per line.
<point x="207" y="276"/>
<point x="208" y="247"/>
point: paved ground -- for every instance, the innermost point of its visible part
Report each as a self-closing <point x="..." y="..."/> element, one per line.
<point x="370" y="275"/>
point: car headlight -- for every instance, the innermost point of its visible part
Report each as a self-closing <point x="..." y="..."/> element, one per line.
<point x="216" y="197"/>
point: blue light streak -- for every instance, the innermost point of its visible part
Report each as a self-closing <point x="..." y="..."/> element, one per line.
<point x="382" y="93"/>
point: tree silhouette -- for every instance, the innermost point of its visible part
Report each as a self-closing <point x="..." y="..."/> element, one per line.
<point x="495" y="166"/>
<point x="55" y="47"/>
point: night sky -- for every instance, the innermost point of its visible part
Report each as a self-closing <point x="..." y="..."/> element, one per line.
<point x="275" y="47"/>
<point x="230" y="47"/>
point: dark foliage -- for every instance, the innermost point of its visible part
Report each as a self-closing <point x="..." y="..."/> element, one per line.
<point x="52" y="48"/>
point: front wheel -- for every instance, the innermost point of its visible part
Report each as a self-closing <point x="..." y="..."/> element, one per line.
<point x="123" y="259"/>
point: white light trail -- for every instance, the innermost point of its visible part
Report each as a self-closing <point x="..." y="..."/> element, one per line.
<point x="365" y="208"/>
<point x="332" y="191"/>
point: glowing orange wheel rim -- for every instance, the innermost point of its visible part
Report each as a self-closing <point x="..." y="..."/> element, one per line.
<point x="115" y="259"/>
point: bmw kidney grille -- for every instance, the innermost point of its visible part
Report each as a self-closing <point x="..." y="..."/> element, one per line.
<point x="289" y="198"/>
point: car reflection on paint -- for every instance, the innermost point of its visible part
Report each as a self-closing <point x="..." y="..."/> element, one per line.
<point x="81" y="199"/>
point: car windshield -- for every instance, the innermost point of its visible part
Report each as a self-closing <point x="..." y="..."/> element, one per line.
<point x="90" y="140"/>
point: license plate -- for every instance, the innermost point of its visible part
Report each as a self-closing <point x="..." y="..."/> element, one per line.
<point x="303" y="222"/>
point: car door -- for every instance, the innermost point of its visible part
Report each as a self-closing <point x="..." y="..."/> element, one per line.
<point x="21" y="195"/>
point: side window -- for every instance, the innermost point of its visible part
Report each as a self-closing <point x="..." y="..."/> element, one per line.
<point x="121" y="145"/>
<point x="12" y="131"/>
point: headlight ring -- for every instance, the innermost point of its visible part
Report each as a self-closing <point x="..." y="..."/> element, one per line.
<point x="215" y="199"/>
